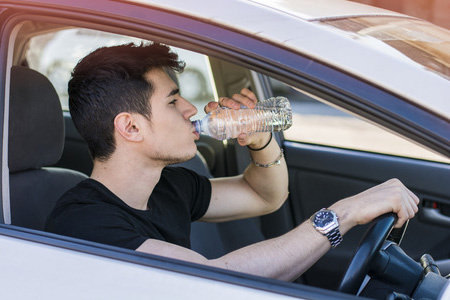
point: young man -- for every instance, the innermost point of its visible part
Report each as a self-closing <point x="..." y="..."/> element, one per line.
<point x="135" y="122"/>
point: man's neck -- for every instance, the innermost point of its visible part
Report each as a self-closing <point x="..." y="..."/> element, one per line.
<point x="130" y="180"/>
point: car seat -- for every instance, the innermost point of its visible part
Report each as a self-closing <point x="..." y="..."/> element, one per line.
<point x="36" y="140"/>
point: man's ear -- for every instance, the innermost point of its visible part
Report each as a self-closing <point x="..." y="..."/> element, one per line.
<point x="128" y="127"/>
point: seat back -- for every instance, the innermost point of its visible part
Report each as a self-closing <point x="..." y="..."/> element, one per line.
<point x="36" y="140"/>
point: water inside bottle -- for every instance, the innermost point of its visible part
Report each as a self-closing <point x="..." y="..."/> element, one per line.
<point x="272" y="114"/>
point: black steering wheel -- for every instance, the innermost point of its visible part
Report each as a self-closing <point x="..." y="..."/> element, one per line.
<point x="367" y="249"/>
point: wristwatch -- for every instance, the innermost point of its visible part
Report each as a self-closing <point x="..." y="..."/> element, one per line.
<point x="326" y="222"/>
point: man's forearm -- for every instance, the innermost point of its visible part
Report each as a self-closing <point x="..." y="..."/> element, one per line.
<point x="288" y="256"/>
<point x="284" y="258"/>
<point x="270" y="183"/>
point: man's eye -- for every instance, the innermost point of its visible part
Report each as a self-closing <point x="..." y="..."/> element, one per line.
<point x="173" y="101"/>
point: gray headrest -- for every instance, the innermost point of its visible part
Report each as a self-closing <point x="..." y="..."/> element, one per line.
<point x="36" y="125"/>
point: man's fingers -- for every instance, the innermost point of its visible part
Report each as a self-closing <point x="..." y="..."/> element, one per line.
<point x="412" y="201"/>
<point x="244" y="100"/>
<point x="211" y="106"/>
<point x="403" y="214"/>
<point x="391" y="196"/>
<point x="249" y="94"/>
<point x="242" y="139"/>
<point x="400" y="222"/>
<point x="408" y="206"/>
<point x="228" y="102"/>
<point x="414" y="197"/>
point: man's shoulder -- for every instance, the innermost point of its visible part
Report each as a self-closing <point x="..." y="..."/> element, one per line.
<point x="86" y="191"/>
<point x="182" y="179"/>
<point x="86" y="196"/>
<point x="83" y="203"/>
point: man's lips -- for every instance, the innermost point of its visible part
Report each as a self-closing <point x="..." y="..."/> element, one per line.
<point x="197" y="135"/>
<point x="194" y="130"/>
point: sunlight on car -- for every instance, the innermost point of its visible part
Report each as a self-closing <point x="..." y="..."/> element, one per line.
<point x="417" y="40"/>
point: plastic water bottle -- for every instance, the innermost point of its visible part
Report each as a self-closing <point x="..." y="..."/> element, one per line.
<point x="273" y="114"/>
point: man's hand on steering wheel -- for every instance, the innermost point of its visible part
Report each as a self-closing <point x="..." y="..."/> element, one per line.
<point x="390" y="196"/>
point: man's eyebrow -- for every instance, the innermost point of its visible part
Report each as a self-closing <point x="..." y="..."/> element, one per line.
<point x="173" y="92"/>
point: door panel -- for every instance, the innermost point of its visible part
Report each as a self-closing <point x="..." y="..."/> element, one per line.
<point x="319" y="176"/>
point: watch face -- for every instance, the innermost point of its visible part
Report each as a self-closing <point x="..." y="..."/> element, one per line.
<point x="323" y="218"/>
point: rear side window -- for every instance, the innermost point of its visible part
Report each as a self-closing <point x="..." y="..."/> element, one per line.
<point x="318" y="123"/>
<point x="55" y="55"/>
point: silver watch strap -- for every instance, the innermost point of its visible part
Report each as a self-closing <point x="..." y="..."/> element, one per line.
<point x="335" y="237"/>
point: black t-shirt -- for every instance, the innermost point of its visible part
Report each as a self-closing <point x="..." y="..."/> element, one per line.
<point x="92" y="212"/>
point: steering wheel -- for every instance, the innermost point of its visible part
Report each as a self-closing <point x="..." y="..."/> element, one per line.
<point x="367" y="249"/>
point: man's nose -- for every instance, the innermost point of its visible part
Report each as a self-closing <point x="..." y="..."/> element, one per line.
<point x="189" y="109"/>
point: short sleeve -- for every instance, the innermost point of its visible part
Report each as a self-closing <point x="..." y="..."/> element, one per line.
<point x="196" y="187"/>
<point x="98" y="223"/>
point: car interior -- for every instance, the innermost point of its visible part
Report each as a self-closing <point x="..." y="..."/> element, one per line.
<point x="47" y="157"/>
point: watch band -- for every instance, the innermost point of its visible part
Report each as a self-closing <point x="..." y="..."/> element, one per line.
<point x="335" y="237"/>
<point x="332" y="234"/>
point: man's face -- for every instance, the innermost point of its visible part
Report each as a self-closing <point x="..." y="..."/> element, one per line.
<point x="171" y="136"/>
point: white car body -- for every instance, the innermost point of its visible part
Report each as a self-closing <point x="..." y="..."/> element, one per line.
<point x="67" y="274"/>
<point x="269" y="19"/>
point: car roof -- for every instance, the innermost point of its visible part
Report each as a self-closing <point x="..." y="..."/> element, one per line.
<point x="319" y="9"/>
<point x="310" y="35"/>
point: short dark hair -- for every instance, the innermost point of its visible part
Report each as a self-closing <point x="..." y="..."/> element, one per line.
<point x="109" y="81"/>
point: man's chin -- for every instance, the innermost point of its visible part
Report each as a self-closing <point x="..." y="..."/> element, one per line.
<point x="177" y="159"/>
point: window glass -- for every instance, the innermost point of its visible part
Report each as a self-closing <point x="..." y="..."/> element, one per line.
<point x="318" y="123"/>
<point x="56" y="54"/>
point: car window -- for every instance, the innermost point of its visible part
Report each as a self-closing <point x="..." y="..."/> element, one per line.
<point x="56" y="54"/>
<point x="319" y="123"/>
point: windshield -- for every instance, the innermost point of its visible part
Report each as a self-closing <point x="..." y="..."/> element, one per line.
<point x="422" y="42"/>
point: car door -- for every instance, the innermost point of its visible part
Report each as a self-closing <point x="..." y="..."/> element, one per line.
<point x="326" y="163"/>
<point x="331" y="154"/>
<point x="320" y="174"/>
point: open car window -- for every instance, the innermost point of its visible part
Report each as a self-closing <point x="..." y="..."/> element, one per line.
<point x="319" y="123"/>
<point x="55" y="54"/>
